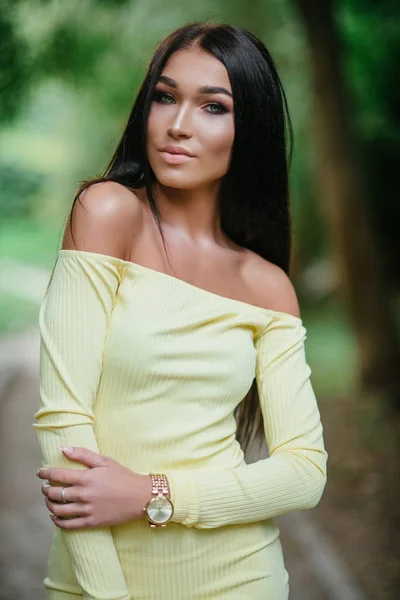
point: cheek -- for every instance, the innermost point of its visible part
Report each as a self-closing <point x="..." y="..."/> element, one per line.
<point x="154" y="125"/>
<point x="217" y="141"/>
<point x="155" y="137"/>
<point x="217" y="138"/>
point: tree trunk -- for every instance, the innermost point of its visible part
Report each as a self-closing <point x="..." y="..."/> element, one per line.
<point x="362" y="286"/>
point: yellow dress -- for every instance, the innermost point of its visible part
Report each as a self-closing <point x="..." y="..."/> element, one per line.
<point x="148" y="369"/>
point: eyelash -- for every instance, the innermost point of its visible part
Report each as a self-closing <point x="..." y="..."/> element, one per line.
<point x="221" y="109"/>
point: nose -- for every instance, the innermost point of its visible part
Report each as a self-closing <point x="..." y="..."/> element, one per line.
<point x="180" y="125"/>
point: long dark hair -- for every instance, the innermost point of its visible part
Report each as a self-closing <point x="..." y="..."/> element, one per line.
<point x="254" y="194"/>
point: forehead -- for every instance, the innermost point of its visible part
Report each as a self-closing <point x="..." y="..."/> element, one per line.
<point x="193" y="68"/>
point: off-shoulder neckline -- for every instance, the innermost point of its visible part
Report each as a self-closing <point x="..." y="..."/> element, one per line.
<point x="172" y="278"/>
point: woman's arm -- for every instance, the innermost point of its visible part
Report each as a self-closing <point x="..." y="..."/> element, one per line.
<point x="293" y="477"/>
<point x="74" y="318"/>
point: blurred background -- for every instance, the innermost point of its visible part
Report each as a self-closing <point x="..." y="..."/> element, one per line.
<point x="69" y="72"/>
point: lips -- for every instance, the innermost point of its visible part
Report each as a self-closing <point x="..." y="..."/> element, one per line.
<point x="170" y="149"/>
<point x="175" y="159"/>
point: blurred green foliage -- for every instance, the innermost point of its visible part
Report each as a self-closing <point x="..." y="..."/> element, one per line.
<point x="14" y="64"/>
<point x="19" y="191"/>
<point x="370" y="33"/>
<point x="30" y="241"/>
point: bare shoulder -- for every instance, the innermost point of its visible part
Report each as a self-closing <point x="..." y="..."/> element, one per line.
<point x="271" y="286"/>
<point x="104" y="219"/>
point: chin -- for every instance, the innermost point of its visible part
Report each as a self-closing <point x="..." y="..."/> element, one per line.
<point x="178" y="180"/>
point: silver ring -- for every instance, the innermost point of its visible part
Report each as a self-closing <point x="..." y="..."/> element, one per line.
<point x="63" y="499"/>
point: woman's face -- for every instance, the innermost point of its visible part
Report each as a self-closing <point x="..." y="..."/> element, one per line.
<point x="192" y="111"/>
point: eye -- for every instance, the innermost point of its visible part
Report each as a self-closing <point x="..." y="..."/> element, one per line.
<point x="159" y="97"/>
<point x="215" y="108"/>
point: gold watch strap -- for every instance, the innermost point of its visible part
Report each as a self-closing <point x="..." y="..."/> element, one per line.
<point x="159" y="484"/>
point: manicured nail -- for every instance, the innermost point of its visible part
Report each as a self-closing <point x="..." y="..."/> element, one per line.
<point x="65" y="448"/>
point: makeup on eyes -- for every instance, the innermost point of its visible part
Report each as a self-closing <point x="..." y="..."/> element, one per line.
<point x="160" y="97"/>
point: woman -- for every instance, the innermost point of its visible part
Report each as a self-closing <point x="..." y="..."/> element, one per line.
<point x="168" y="305"/>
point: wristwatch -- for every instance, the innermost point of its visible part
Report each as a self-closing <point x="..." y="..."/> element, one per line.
<point x="159" y="508"/>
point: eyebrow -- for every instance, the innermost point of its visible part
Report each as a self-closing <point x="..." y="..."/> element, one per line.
<point x="206" y="89"/>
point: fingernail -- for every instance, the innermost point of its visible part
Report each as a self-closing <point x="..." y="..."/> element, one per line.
<point x="65" y="448"/>
<point x="51" y="517"/>
<point x="38" y="473"/>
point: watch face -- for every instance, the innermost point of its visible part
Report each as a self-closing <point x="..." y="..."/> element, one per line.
<point x="159" y="510"/>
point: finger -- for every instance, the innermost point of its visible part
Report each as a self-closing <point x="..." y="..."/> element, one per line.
<point x="66" y="476"/>
<point x="78" y="523"/>
<point x="45" y="488"/>
<point x="53" y="492"/>
<point x="85" y="456"/>
<point x="73" y="509"/>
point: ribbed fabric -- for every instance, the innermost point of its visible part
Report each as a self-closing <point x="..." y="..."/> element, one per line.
<point x="148" y="369"/>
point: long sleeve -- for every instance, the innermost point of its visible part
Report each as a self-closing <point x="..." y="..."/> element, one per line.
<point x="73" y="321"/>
<point x="293" y="477"/>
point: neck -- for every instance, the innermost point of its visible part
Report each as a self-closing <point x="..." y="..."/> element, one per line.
<point x="193" y="214"/>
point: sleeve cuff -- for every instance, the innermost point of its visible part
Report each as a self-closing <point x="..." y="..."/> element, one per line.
<point x="184" y="497"/>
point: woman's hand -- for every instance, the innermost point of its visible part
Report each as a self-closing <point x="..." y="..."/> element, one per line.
<point x="106" y="494"/>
